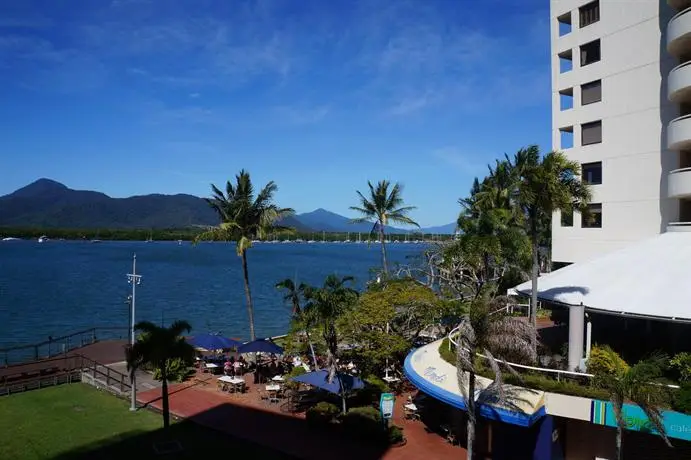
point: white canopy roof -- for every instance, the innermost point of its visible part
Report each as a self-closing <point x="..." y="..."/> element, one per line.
<point x="651" y="278"/>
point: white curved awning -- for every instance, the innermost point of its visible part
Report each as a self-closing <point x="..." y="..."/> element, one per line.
<point x="651" y="278"/>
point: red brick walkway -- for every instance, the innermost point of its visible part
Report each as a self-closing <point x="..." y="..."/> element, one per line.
<point x="244" y="416"/>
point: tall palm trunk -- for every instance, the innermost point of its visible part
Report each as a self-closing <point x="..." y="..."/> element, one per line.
<point x="248" y="294"/>
<point x="535" y="242"/>
<point x="383" y="250"/>
<point x="164" y="397"/>
<point x="343" y="394"/>
<point x="619" y="450"/>
<point x="314" y="355"/>
<point x="470" y="425"/>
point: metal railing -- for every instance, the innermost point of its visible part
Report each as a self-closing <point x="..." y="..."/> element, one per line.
<point x="66" y="369"/>
<point x="56" y="346"/>
<point x="102" y="376"/>
<point x="546" y="370"/>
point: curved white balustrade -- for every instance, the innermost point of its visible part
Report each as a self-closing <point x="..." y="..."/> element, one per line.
<point x="679" y="83"/>
<point x="679" y="133"/>
<point x="679" y="33"/>
<point x="679" y="183"/>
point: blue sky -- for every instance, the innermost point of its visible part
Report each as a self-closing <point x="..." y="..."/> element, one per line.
<point x="132" y="97"/>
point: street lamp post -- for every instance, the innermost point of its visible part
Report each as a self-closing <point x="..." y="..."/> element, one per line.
<point x="134" y="280"/>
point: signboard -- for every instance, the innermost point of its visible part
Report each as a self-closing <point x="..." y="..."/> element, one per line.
<point x="386" y="403"/>
<point x="677" y="425"/>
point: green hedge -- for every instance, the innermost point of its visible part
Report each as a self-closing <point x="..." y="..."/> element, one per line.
<point x="322" y="413"/>
<point x="532" y="380"/>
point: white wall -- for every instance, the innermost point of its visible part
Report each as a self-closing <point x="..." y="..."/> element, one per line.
<point x="634" y="111"/>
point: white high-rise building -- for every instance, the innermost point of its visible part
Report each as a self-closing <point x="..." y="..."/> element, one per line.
<point x="621" y="106"/>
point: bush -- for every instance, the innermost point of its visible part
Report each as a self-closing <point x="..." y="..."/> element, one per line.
<point x="681" y="363"/>
<point x="682" y="398"/>
<point x="322" y="413"/>
<point x="395" y="434"/>
<point x="605" y="363"/>
<point x="364" y="422"/>
<point x="295" y="372"/>
<point x="177" y="370"/>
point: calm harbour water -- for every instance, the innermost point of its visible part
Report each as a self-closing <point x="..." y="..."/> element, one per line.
<point x="59" y="287"/>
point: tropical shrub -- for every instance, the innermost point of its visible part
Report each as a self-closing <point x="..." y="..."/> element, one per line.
<point x="364" y="422"/>
<point x="682" y="398"/>
<point x="295" y="372"/>
<point x="374" y="387"/>
<point x="605" y="363"/>
<point x="681" y="363"/>
<point x="177" y="370"/>
<point x="322" y="413"/>
<point x="395" y="434"/>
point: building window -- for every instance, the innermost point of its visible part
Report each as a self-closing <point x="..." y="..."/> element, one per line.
<point x="591" y="133"/>
<point x="590" y="53"/>
<point x="591" y="173"/>
<point x="564" y="24"/>
<point x="592" y="218"/>
<point x="566" y="137"/>
<point x="565" y="61"/>
<point x="566" y="99"/>
<point x="589" y="14"/>
<point x="566" y="218"/>
<point x="591" y="92"/>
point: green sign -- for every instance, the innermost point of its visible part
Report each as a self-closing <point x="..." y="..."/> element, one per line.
<point x="386" y="403"/>
<point x="677" y="425"/>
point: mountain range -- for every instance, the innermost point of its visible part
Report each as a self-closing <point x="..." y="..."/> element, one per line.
<point x="47" y="203"/>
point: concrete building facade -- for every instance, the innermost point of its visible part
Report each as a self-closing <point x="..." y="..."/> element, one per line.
<point x="614" y="112"/>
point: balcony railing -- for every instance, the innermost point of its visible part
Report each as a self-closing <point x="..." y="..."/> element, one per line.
<point x="548" y="371"/>
<point x="679" y="227"/>
<point x="558" y="373"/>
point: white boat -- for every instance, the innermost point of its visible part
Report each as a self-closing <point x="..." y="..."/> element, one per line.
<point x="42" y="239"/>
<point x="11" y="238"/>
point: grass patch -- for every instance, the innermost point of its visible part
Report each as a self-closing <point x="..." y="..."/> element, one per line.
<point x="532" y="380"/>
<point x="79" y="422"/>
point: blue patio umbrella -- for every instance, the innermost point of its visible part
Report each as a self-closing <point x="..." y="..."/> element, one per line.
<point x="213" y="342"/>
<point x="320" y="379"/>
<point x="260" y="345"/>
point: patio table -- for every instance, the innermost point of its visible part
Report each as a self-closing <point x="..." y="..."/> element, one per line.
<point x="231" y="380"/>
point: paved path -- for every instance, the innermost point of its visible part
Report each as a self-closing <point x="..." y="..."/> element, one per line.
<point x="145" y="380"/>
<point x="245" y="417"/>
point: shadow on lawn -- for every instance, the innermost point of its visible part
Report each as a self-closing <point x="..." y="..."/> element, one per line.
<point x="256" y="434"/>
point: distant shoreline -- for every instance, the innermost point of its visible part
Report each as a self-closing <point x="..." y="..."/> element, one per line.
<point x="188" y="234"/>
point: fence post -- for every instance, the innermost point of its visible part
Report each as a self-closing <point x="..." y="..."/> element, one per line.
<point x="107" y="376"/>
<point x="93" y="335"/>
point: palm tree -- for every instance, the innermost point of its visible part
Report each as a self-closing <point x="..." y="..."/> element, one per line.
<point x="244" y="218"/>
<point x="294" y="295"/>
<point x="642" y="384"/>
<point x="325" y="305"/>
<point x="381" y="207"/>
<point x="543" y="186"/>
<point x="157" y="347"/>
<point x="488" y="330"/>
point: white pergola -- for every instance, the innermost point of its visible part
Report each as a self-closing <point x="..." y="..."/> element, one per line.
<point x="648" y="279"/>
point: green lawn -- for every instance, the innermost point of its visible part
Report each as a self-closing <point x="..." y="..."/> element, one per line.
<point x="77" y="421"/>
